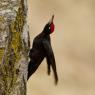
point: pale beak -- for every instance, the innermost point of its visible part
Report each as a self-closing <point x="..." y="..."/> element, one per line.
<point x="51" y="19"/>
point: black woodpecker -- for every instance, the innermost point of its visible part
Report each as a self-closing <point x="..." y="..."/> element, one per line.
<point x="41" y="49"/>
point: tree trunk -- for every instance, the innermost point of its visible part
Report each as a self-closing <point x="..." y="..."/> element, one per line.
<point x="14" y="47"/>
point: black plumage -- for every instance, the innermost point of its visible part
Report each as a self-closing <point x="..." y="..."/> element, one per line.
<point x="41" y="49"/>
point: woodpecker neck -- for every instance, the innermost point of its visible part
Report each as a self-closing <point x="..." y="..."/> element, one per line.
<point x="45" y="33"/>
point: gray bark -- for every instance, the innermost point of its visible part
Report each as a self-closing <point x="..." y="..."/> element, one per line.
<point x="14" y="47"/>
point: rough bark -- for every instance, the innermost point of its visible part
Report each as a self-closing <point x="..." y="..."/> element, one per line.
<point x="14" y="47"/>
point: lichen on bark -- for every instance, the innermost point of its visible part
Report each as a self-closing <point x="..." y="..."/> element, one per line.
<point x="14" y="47"/>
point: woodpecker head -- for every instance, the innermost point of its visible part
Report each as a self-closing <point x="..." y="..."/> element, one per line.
<point x="49" y="27"/>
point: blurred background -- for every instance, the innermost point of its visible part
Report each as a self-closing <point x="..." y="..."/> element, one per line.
<point x="73" y="43"/>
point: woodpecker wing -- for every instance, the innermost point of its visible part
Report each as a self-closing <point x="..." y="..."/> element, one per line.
<point x="50" y="58"/>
